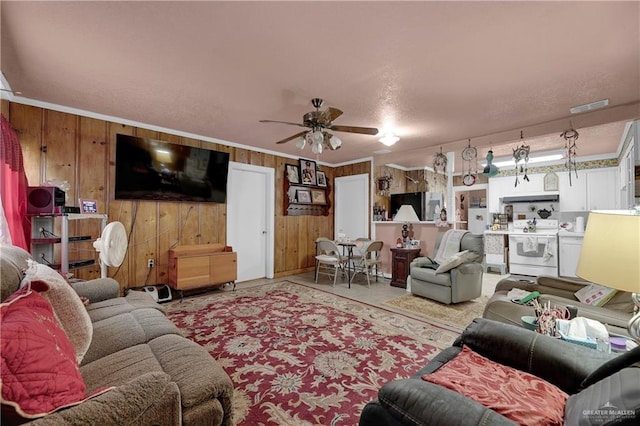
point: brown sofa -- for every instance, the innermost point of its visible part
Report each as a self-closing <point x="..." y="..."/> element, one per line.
<point x="615" y="314"/>
<point x="157" y="376"/>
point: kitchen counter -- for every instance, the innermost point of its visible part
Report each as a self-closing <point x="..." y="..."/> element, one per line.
<point x="565" y="233"/>
<point x="503" y="232"/>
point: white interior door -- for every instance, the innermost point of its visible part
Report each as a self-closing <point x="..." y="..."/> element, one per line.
<point x="250" y="219"/>
<point x="351" y="208"/>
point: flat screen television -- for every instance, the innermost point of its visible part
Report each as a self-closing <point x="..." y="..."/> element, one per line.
<point x="149" y="169"/>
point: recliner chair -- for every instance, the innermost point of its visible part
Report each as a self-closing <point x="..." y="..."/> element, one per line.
<point x="459" y="284"/>
<point x="602" y="388"/>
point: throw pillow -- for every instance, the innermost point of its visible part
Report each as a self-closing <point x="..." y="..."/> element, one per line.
<point x="456" y="260"/>
<point x="517" y="395"/>
<point x="39" y="371"/>
<point x="67" y="306"/>
<point x="595" y="295"/>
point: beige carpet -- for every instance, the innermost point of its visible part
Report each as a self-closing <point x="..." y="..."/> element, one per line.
<point x="458" y="315"/>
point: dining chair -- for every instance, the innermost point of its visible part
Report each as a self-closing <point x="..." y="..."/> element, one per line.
<point x="369" y="261"/>
<point x="329" y="260"/>
<point x="361" y="246"/>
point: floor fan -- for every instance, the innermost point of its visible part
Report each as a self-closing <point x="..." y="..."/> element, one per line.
<point x="111" y="246"/>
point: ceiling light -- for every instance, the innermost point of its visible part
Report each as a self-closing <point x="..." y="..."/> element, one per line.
<point x="334" y="142"/>
<point x="318" y="137"/>
<point x="316" y="147"/>
<point x="389" y="139"/>
<point x="301" y="142"/>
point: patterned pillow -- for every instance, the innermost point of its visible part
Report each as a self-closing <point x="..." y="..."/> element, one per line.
<point x="517" y="395"/>
<point x="67" y="306"/>
<point x="39" y="369"/>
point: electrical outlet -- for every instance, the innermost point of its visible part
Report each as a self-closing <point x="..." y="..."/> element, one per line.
<point x="151" y="263"/>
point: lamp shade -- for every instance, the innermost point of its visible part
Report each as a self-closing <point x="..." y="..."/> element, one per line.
<point x="610" y="253"/>
<point x="406" y="213"/>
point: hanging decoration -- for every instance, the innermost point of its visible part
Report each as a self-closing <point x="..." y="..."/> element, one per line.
<point x="439" y="162"/>
<point x="570" y="137"/>
<point x="521" y="158"/>
<point x="469" y="154"/>
<point x="384" y="184"/>
<point x="490" y="169"/>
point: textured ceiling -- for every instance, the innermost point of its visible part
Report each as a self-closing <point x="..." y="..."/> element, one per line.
<point x="435" y="73"/>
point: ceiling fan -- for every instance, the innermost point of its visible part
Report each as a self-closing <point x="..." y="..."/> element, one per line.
<point x="319" y="122"/>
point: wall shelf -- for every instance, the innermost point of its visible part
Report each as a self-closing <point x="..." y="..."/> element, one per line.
<point x="294" y="205"/>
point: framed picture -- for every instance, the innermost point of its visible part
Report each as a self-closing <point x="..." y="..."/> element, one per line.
<point x="551" y="182"/>
<point x="318" y="197"/>
<point x="321" y="179"/>
<point x="292" y="172"/>
<point x="308" y="172"/>
<point x="88" y="206"/>
<point x="303" y="196"/>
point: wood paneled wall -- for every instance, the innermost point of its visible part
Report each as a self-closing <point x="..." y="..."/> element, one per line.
<point x="80" y="150"/>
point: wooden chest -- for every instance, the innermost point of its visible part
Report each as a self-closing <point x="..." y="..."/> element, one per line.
<point x="200" y="265"/>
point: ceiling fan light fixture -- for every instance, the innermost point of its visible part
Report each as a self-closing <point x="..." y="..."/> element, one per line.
<point x="389" y="139"/>
<point x="334" y="142"/>
<point x="318" y="137"/>
<point x="301" y="142"/>
<point x="316" y="147"/>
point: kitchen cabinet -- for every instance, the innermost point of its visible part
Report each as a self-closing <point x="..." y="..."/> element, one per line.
<point x="592" y="189"/>
<point x="627" y="178"/>
<point x="45" y="240"/>
<point x="573" y="195"/>
<point x="505" y="186"/>
<point x="570" y="246"/>
<point x="603" y="190"/>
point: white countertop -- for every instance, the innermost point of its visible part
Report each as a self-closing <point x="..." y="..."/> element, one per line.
<point x="505" y="232"/>
<point x="565" y="233"/>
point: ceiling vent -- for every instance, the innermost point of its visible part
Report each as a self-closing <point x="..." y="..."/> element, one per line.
<point x="589" y="107"/>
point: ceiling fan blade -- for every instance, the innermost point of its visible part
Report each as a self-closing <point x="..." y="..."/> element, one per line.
<point x="329" y="115"/>
<point x="283" y="122"/>
<point x="355" y="129"/>
<point x="292" y="137"/>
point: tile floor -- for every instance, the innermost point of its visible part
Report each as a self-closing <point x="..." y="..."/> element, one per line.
<point x="379" y="292"/>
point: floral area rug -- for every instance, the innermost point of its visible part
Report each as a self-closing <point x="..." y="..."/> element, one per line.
<point x="300" y="356"/>
<point x="457" y="315"/>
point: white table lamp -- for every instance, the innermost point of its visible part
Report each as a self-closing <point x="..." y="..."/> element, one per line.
<point x="610" y="255"/>
<point x="406" y="214"/>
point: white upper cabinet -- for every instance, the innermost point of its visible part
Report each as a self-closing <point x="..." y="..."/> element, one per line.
<point x="591" y="189"/>
<point x="573" y="195"/>
<point x="603" y="189"/>
<point x="505" y="186"/>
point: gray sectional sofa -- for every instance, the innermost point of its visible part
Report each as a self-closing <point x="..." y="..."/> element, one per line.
<point x="560" y="292"/>
<point x="156" y="376"/>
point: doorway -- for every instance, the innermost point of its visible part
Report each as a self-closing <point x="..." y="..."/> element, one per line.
<point x="351" y="210"/>
<point x="250" y="219"/>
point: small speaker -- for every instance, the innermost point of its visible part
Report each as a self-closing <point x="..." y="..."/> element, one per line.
<point x="44" y="199"/>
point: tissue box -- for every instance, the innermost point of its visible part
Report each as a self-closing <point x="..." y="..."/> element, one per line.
<point x="562" y="326"/>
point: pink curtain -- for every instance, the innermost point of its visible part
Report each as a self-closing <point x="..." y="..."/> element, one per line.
<point x="13" y="185"/>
